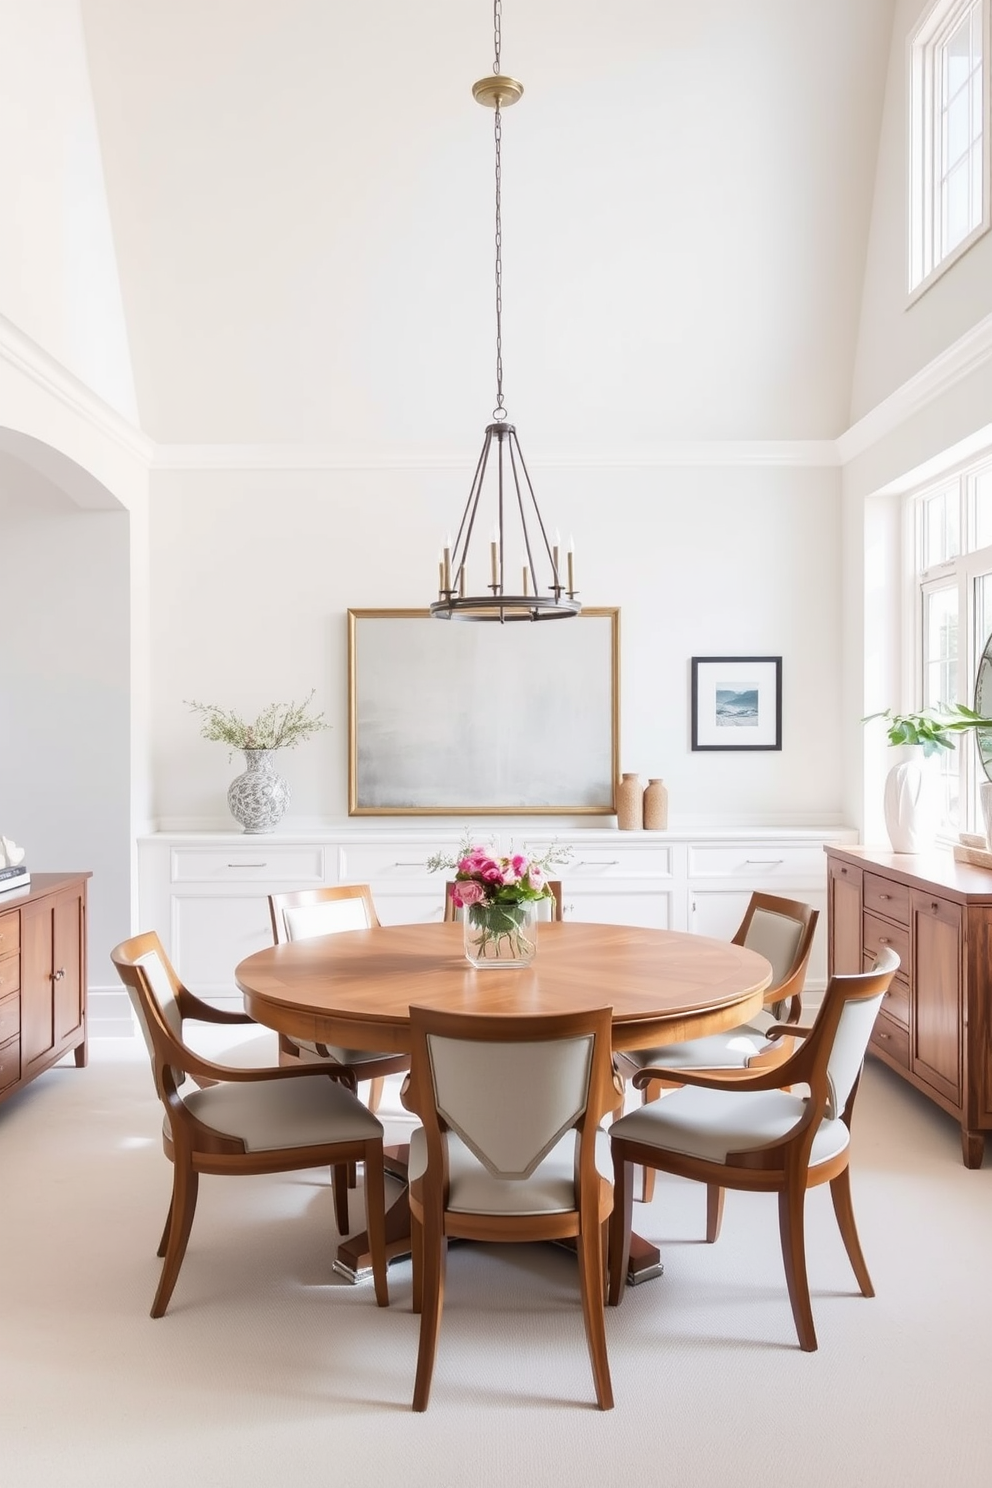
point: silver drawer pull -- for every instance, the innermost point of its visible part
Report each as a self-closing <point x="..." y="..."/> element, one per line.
<point x="608" y="863"/>
<point x="763" y="862"/>
<point x="409" y="865"/>
<point x="883" y="940"/>
<point x="247" y="865"/>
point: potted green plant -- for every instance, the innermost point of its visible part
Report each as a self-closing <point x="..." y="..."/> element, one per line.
<point x="911" y="810"/>
<point x="258" y="797"/>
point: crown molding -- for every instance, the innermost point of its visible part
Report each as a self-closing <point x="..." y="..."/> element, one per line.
<point x="33" y="362"/>
<point x="963" y="357"/>
<point x="780" y="452"/>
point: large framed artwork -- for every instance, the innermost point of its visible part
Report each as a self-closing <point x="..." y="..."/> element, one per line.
<point x="456" y="719"/>
<point x="737" y="702"/>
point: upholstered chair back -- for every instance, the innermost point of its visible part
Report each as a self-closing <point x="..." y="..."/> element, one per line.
<point x="510" y="1102"/>
<point x="777" y="937"/>
<point x="307" y="913"/>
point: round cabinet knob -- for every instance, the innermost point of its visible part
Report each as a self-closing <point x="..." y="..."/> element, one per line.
<point x="58" y="975"/>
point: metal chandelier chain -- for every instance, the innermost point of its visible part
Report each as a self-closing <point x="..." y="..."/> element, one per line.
<point x="499" y="412"/>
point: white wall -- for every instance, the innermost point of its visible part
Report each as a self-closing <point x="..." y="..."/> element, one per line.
<point x="253" y="572"/>
<point x="58" y="271"/>
<point x="897" y="339"/>
<point x="64" y="695"/>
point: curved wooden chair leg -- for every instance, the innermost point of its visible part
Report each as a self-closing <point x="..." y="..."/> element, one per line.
<point x="791" y="1221"/>
<point x="840" y="1192"/>
<point x="340" y="1174"/>
<point x="714" y="1212"/>
<point x="435" y="1248"/>
<point x="591" y="1283"/>
<point x="165" y="1233"/>
<point x="620" y="1222"/>
<point x="375" y="1218"/>
<point x="417" y="1261"/>
<point x="185" y="1183"/>
<point x="375" y="1092"/>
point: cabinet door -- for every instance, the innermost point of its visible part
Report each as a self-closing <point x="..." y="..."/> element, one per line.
<point x="69" y="960"/>
<point x="37" y="966"/>
<point x="844" y="918"/>
<point x="937" y="986"/>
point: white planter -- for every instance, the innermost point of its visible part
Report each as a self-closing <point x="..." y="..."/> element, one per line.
<point x="912" y="803"/>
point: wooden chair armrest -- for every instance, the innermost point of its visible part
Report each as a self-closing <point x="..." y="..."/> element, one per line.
<point x="225" y="1074"/>
<point x="190" y="1006"/>
<point x="783" y="1030"/>
<point x="774" y="1077"/>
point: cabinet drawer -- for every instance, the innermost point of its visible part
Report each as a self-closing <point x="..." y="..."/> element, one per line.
<point x="10" y="976"/>
<point x="394" y="862"/>
<point x="879" y="935"/>
<point x="266" y="863"/>
<point x="895" y="1003"/>
<point x="10" y="934"/>
<point x="887" y="898"/>
<point x="890" y="1038"/>
<point x="10" y="1018"/>
<point x="759" y="860"/>
<point x="613" y="862"/>
<point x="10" y="1063"/>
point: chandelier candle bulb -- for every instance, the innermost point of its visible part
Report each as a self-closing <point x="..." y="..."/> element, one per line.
<point x="461" y="582"/>
<point x="526" y="580"/>
<point x="446" y="569"/>
<point x="571" y="566"/>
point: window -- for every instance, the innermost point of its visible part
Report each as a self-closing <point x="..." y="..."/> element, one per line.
<point x="949" y="130"/>
<point x="954" y="576"/>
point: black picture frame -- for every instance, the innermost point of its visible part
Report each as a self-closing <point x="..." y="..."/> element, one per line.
<point x="736" y="702"/>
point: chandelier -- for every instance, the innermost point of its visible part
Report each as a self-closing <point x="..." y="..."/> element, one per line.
<point x="525" y="583"/>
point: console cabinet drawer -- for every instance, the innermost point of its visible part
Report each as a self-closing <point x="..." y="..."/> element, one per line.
<point x="890" y="1038"/>
<point x="880" y="935"/>
<point x="757" y="861"/>
<point x="10" y="1018"/>
<point x="10" y="1063"/>
<point x="262" y="864"/>
<point x="10" y="976"/>
<point x="10" y="934"/>
<point x="886" y="897"/>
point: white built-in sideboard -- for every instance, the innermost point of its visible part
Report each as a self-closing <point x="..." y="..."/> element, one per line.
<point x="205" y="893"/>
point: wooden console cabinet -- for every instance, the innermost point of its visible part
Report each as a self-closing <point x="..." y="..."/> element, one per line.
<point x="935" y="1025"/>
<point x="42" y="976"/>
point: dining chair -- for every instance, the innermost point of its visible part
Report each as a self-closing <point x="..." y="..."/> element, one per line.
<point x="782" y="931"/>
<point x="242" y="1121"/>
<point x="511" y="1110"/>
<point x="303" y="915"/>
<point x="547" y="909"/>
<point x="753" y="1132"/>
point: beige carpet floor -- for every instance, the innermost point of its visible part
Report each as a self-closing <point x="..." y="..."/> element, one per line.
<point x="269" y="1370"/>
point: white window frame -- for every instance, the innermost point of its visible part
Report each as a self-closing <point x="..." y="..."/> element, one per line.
<point x="960" y="572"/>
<point x="924" y="267"/>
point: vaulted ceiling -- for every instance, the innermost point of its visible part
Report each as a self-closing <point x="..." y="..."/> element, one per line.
<point x="301" y="196"/>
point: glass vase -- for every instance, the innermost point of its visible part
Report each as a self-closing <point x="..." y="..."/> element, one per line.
<point x="500" y="935"/>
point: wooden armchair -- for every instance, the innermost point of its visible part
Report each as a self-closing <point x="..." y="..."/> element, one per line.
<point x="782" y="931"/>
<point x="243" y="1121"/>
<point x="303" y="915"/>
<point x="751" y="1132"/>
<point x="511" y="1109"/>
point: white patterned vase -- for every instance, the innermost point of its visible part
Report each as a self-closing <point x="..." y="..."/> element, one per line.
<point x="259" y="797"/>
<point x="912" y="806"/>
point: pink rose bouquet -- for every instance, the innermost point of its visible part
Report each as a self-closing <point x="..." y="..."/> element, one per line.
<point x="481" y="878"/>
<point x="495" y="894"/>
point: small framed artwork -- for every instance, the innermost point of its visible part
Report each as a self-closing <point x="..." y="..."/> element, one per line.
<point x="737" y="702"/>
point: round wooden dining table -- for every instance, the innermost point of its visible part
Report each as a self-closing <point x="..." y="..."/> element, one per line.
<point x="355" y="989"/>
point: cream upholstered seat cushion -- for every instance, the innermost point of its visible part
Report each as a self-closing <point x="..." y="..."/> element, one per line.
<point x="474" y="1190"/>
<point x="730" y="1050"/>
<point x="713" y="1124"/>
<point x="269" y="1114"/>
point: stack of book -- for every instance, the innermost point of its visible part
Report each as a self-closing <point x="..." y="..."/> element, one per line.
<point x="14" y="878"/>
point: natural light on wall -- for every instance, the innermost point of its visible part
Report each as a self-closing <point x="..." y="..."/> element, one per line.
<point x="949" y="133"/>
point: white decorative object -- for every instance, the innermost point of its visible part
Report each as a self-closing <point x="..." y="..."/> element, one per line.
<point x="259" y="797"/>
<point x="985" y="796"/>
<point x="912" y="805"/>
<point x="10" y="853"/>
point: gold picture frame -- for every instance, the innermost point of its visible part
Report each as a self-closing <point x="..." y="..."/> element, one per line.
<point x="460" y="719"/>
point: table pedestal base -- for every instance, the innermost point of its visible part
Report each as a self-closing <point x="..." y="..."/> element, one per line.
<point x="354" y="1261"/>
